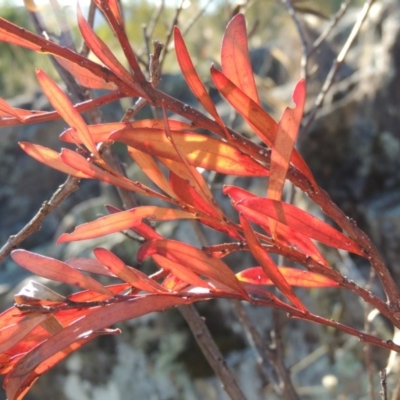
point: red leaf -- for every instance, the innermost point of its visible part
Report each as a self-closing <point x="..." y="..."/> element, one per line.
<point x="180" y="271"/>
<point x="23" y="373"/>
<point x="200" y="150"/>
<point x="65" y="108"/>
<point x="84" y="77"/>
<point x="101" y="50"/>
<point x="134" y="277"/>
<point x="258" y="210"/>
<point x="122" y="221"/>
<point x="7" y="110"/>
<point x="56" y="270"/>
<point x="293" y="276"/>
<point x="235" y="58"/>
<point x="258" y="119"/>
<point x="268" y="265"/>
<point x="193" y="258"/>
<point x="191" y="77"/>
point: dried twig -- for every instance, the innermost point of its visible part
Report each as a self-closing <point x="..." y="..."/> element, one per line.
<point x="383" y="391"/>
<point x="85" y="50"/>
<point x="211" y="351"/>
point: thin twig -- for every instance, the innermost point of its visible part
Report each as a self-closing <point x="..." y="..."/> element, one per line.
<point x="211" y="351"/>
<point x="334" y="21"/>
<point x="85" y="50"/>
<point x="383" y="391"/>
<point x="337" y="64"/>
<point x="66" y="189"/>
<point x="304" y="46"/>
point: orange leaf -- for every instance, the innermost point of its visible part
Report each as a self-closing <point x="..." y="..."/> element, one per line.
<point x="200" y="150"/>
<point x="76" y="161"/>
<point x="195" y="259"/>
<point x="56" y="270"/>
<point x="268" y="265"/>
<point x="293" y="276"/>
<point x="191" y="77"/>
<point x="180" y="271"/>
<point x="235" y="58"/>
<point x="65" y="108"/>
<point x="134" y="277"/>
<point x="89" y="265"/>
<point x="149" y="166"/>
<point x="50" y="158"/>
<point x="259" y="209"/>
<point x="122" y="221"/>
<point x="84" y="77"/>
<point x="6" y="36"/>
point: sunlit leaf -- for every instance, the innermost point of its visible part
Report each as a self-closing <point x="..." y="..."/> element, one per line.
<point x="134" y="277"/>
<point x="293" y="276"/>
<point x="65" y="108"/>
<point x="235" y="58"/>
<point x="268" y="265"/>
<point x="192" y="258"/>
<point x="259" y="209"/>
<point x="56" y="270"/>
<point x="123" y="220"/>
<point x="191" y="77"/>
<point x="84" y="77"/>
<point x="200" y="150"/>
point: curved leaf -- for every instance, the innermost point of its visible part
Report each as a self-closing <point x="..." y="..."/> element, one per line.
<point x="235" y="58"/>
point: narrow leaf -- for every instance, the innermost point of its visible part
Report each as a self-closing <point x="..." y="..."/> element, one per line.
<point x="84" y="77"/>
<point x="193" y="258"/>
<point x="180" y="271"/>
<point x="235" y="58"/>
<point x="259" y="120"/>
<point x="293" y="276"/>
<point x="191" y="77"/>
<point x="21" y="375"/>
<point x="268" y="265"/>
<point x="259" y="209"/>
<point x="65" y="108"/>
<point x="56" y="270"/>
<point x="200" y="150"/>
<point x="150" y="167"/>
<point x="101" y="50"/>
<point x="285" y="140"/>
<point x="129" y="275"/>
<point x="50" y="158"/>
<point x="123" y="220"/>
